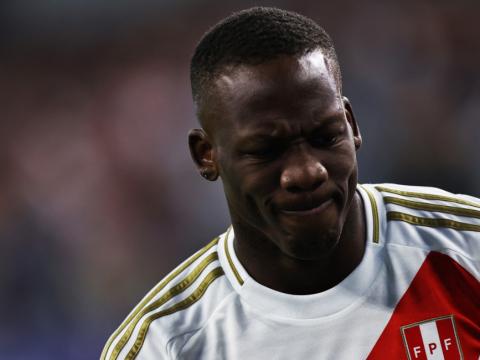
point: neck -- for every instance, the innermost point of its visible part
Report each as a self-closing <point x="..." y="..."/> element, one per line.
<point x="278" y="271"/>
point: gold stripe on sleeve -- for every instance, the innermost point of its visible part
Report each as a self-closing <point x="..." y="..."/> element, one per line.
<point x="428" y="196"/>
<point x="433" y="207"/>
<point x="174" y="291"/>
<point x="431" y="222"/>
<point x="155" y="291"/>
<point x="193" y="298"/>
<point x="230" y="261"/>
<point x="376" y="221"/>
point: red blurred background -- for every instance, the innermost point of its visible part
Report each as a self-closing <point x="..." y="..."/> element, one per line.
<point x="99" y="198"/>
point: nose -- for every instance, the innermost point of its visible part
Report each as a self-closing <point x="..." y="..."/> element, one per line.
<point x="303" y="171"/>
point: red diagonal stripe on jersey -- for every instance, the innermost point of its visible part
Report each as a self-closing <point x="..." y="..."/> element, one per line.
<point x="441" y="287"/>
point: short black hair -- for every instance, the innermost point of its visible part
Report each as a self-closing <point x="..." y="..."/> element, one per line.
<point x="254" y="36"/>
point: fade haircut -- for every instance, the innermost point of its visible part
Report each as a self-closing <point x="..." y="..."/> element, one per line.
<point x="255" y="36"/>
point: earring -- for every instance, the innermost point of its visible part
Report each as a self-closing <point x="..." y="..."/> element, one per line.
<point x="205" y="174"/>
<point x="209" y="174"/>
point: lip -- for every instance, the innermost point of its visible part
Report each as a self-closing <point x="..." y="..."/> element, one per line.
<point x="316" y="209"/>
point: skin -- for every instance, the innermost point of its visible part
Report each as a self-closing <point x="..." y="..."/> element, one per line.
<point x="283" y="141"/>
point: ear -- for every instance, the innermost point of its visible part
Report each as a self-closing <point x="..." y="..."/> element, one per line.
<point x="203" y="155"/>
<point x="357" y="137"/>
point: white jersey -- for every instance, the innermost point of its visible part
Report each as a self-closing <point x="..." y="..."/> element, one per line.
<point x="415" y="295"/>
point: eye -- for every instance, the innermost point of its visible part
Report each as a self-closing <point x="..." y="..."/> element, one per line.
<point x="264" y="152"/>
<point x="323" y="140"/>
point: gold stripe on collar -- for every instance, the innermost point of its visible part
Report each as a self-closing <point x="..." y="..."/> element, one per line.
<point x="376" y="219"/>
<point x="229" y="258"/>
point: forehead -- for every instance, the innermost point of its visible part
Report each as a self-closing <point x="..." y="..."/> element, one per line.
<point x="288" y="88"/>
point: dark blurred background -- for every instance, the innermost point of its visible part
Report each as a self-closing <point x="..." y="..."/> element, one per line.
<point x="99" y="198"/>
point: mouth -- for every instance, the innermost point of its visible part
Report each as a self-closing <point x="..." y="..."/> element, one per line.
<point x="307" y="209"/>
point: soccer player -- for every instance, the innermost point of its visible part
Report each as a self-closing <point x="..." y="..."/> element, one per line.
<point x="314" y="266"/>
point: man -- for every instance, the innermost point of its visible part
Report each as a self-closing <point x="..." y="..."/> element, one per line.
<point x="314" y="266"/>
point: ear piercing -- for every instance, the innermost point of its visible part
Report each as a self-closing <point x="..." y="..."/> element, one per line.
<point x="209" y="174"/>
<point x="205" y="173"/>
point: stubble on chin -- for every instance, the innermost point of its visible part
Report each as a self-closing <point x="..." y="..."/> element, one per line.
<point x="309" y="246"/>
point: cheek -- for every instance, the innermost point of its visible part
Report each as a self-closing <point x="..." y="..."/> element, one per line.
<point x="349" y="174"/>
<point x="343" y="172"/>
<point x="244" y="181"/>
<point x="344" y="164"/>
<point x="254" y="179"/>
<point x="260" y="184"/>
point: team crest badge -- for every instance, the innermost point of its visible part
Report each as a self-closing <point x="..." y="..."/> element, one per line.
<point x="433" y="339"/>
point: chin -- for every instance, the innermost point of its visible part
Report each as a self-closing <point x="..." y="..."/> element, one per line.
<point x="309" y="246"/>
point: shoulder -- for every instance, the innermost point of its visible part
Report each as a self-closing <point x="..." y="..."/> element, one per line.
<point x="427" y="217"/>
<point x="176" y="306"/>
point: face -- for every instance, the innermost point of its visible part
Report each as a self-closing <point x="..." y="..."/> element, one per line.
<point x="284" y="142"/>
